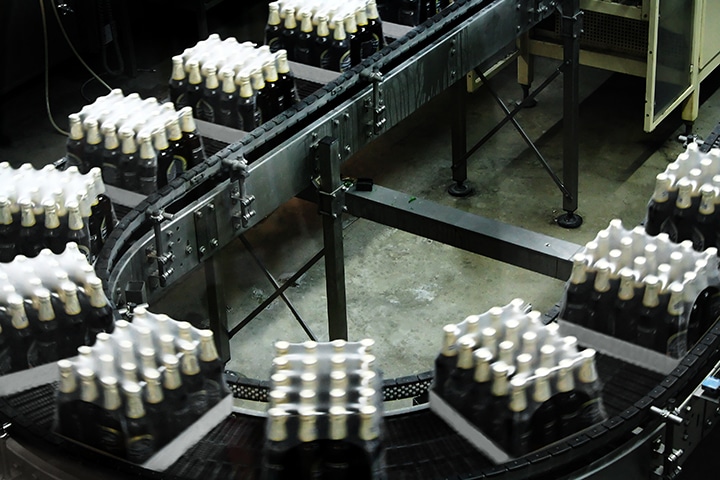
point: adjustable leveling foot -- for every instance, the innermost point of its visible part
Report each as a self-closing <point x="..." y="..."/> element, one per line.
<point x="569" y="220"/>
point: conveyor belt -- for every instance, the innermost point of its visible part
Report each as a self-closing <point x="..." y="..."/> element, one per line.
<point x="418" y="444"/>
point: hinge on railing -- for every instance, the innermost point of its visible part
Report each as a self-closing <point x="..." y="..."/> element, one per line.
<point x="239" y="172"/>
<point x="376" y="104"/>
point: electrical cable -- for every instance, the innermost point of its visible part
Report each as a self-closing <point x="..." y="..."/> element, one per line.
<point x="72" y="47"/>
<point x="47" y="72"/>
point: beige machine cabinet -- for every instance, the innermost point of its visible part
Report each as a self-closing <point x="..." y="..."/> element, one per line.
<point x="674" y="44"/>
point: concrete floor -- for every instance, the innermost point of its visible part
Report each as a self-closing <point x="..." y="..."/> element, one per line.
<point x="401" y="289"/>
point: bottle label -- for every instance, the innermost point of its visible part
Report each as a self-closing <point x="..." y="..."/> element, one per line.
<point x="368" y="48"/>
<point x="205" y="111"/>
<point x="345" y="63"/>
<point x="85" y="250"/>
<point x="677" y="344"/>
<point x="302" y="55"/>
<point x="103" y="230"/>
<point x="376" y="43"/>
<point x="110" y="173"/>
<point x="110" y="439"/>
<point x="274" y="44"/>
<point x="140" y="448"/>
<point x="178" y="166"/>
<point x="325" y="60"/>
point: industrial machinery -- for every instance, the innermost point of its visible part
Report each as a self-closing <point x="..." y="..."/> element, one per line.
<point x="654" y="420"/>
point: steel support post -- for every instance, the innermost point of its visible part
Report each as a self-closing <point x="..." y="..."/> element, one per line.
<point x="332" y="199"/>
<point x="458" y="133"/>
<point x="571" y="30"/>
<point x="217" y="308"/>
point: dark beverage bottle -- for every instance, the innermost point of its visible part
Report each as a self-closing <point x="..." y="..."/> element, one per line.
<point x="68" y="397"/>
<point x="375" y="26"/>
<point x="147" y="166"/>
<point x="409" y="12"/>
<point x="195" y="85"/>
<point x="498" y="422"/>
<point x="191" y="142"/>
<point x="179" y="162"/>
<point x="275" y="92"/>
<point x="303" y="48"/>
<point x="339" y="51"/>
<point x="155" y="406"/>
<point x="227" y="100"/>
<point x="310" y="457"/>
<point x="457" y="386"/>
<point x="567" y="400"/>
<point x="176" y="397"/>
<point x="321" y="48"/>
<point x="22" y="337"/>
<point x="365" y="37"/>
<point x="164" y="156"/>
<point x="128" y="160"/>
<point x="75" y="144"/>
<point x="89" y="408"/>
<point x="93" y="148"/>
<point x="602" y="300"/>
<point x="77" y="229"/>
<point x="30" y="236"/>
<point x="478" y="403"/>
<point x="626" y="307"/>
<point x="683" y="217"/>
<point x="140" y="443"/>
<point x="273" y="27"/>
<point x="446" y="361"/>
<point x="705" y="228"/>
<point x="650" y="314"/>
<point x="589" y="386"/>
<point x="369" y="435"/>
<point x="520" y="417"/>
<point x="178" y="83"/>
<point x="72" y="321"/>
<point x="351" y="32"/>
<point x="660" y="207"/>
<point x="110" y="155"/>
<point x="544" y="424"/>
<point x="336" y="458"/>
<point x="263" y="101"/>
<point x="286" y="79"/>
<point x="288" y="33"/>
<point x="45" y="349"/>
<point x="110" y="420"/>
<point x="102" y="209"/>
<point x="193" y="381"/>
<point x="674" y="327"/>
<point x="8" y="232"/>
<point x="99" y="317"/>
<point x="207" y="105"/>
<point x="212" y="368"/>
<point x="577" y="293"/>
<point x="249" y="113"/>
<point x="275" y="453"/>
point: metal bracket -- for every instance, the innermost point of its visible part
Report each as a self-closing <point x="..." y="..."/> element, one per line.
<point x="239" y="172"/>
<point x="332" y="203"/>
<point x="376" y="104"/>
<point x="572" y="25"/>
<point x="206" y="231"/>
<point x="162" y="259"/>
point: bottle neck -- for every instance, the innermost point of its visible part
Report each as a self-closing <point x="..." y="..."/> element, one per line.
<point x="88" y="389"/>
<point x="542" y="391"/>
<point x="290" y="21"/>
<point x="273" y="16"/>
<point x="565" y="380"/>
<point x="307" y="431"/>
<point x="111" y="394"/>
<point x="338" y="423"/>
<point x="684" y="199"/>
<point x="662" y="188"/>
<point x="368" y="429"/>
<point x="172" y="377"/>
<point x="187" y="122"/>
<point x="5" y="213"/>
<point x="18" y="315"/>
<point x="372" y="11"/>
<point x="208" y="352"/>
<point x="449" y="338"/>
<point x="190" y="365"/>
<point x="45" y="312"/>
<point x="72" y="304"/>
<point x="587" y="373"/>
<point x="258" y="82"/>
<point x="339" y="32"/>
<point x="97" y="297"/>
<point x="323" y="30"/>
<point x="650" y="297"/>
<point x="350" y="24"/>
<point x="27" y="216"/>
<point x="134" y="405"/>
<point x="68" y="382"/>
<point x="500" y="382"/>
<point x="246" y="90"/>
<point x="76" y="128"/>
<point x="579" y="271"/>
<point x="270" y="72"/>
<point x="278" y="429"/>
<point x="627" y="288"/>
<point x="361" y="17"/>
<point x="111" y="140"/>
<point x="465" y="358"/>
<point x="174" y="132"/>
<point x="306" y="25"/>
<point x="707" y="204"/>
<point x="51" y="218"/>
<point x="75" y="221"/>
<point x="146" y="148"/>
<point x="194" y="77"/>
<point x="676" y="305"/>
<point x="518" y="396"/>
<point x="128" y="144"/>
<point x="153" y="390"/>
<point x="211" y="80"/>
<point x="93" y="135"/>
<point x="228" y="85"/>
<point x="602" y="280"/>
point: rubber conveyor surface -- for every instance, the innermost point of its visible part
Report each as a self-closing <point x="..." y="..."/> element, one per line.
<point x="418" y="443"/>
